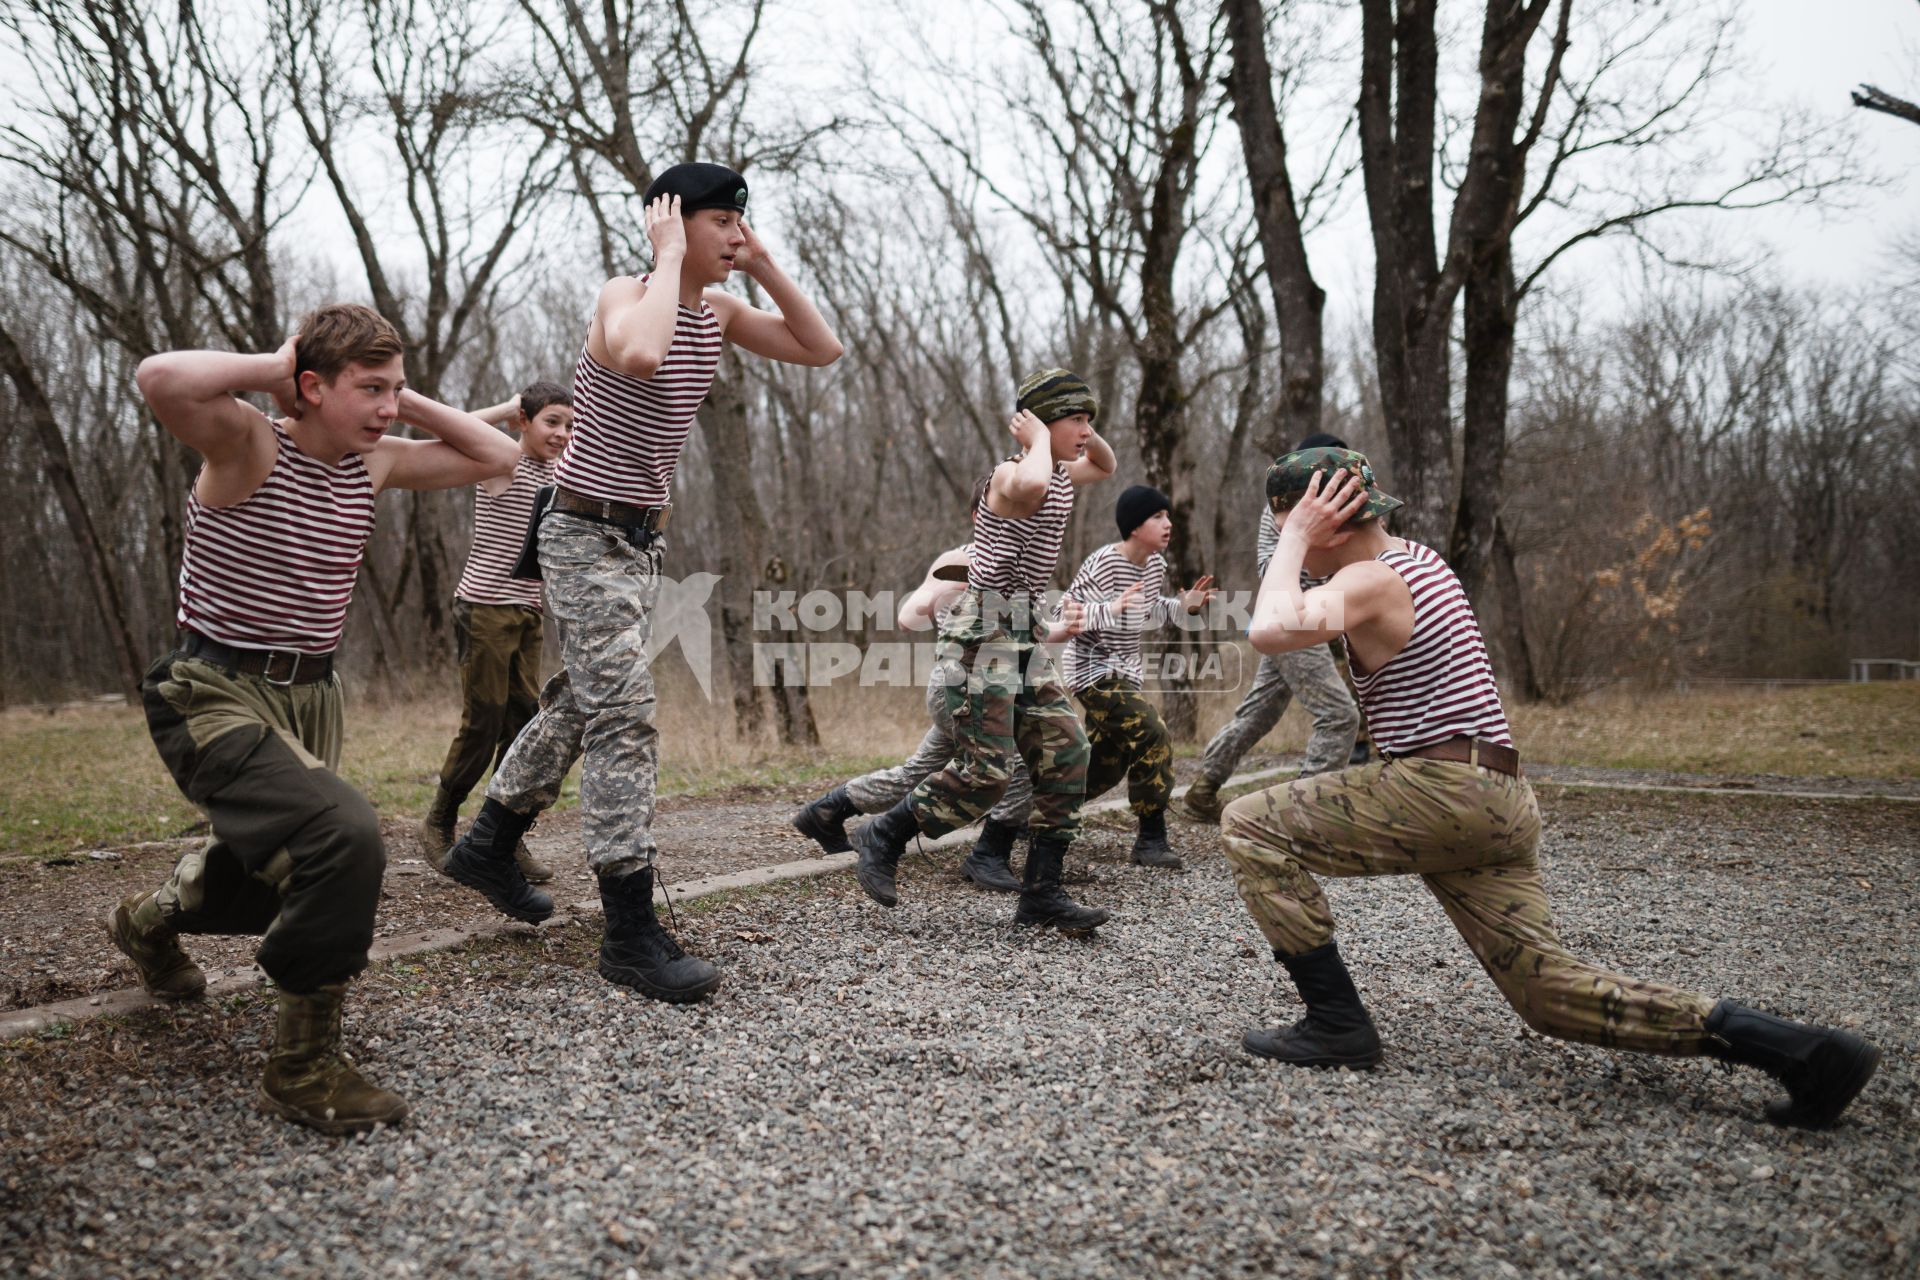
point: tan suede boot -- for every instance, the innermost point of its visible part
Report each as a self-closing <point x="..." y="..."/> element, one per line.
<point x="310" y="1081"/>
<point x="165" y="970"/>
<point x="436" y="829"/>
<point x="1202" y="801"/>
<point x="536" y="871"/>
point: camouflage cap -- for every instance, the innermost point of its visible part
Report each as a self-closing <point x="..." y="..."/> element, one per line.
<point x="1052" y="394"/>
<point x="1288" y="477"/>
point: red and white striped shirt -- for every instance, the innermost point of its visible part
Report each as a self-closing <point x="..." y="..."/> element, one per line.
<point x="1441" y="685"/>
<point x="1110" y="646"/>
<point x="276" y="571"/>
<point x="628" y="431"/>
<point x="499" y="531"/>
<point x="1017" y="556"/>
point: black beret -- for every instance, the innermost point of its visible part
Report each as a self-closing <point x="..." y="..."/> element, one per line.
<point x="701" y="186"/>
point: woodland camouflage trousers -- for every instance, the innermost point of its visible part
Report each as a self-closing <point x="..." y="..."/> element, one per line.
<point x="1470" y="834"/>
<point x="1128" y="740"/>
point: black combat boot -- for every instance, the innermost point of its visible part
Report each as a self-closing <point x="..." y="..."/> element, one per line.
<point x="1336" y="1031"/>
<point x="1823" y="1068"/>
<point x="636" y="952"/>
<point x="483" y="859"/>
<point x="1043" y="901"/>
<point x="880" y="843"/>
<point x="436" y="829"/>
<point x="990" y="865"/>
<point x="1150" y="847"/>
<point x="824" y="821"/>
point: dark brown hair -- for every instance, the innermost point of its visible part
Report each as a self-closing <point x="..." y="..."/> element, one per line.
<point x="343" y="333"/>
<point x="540" y="395"/>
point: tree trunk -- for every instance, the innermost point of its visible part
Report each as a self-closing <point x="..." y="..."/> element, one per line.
<point x="1298" y="299"/>
<point x="94" y="551"/>
<point x="1512" y="636"/>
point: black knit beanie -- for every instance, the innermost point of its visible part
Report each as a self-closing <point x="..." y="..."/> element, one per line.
<point x="1139" y="504"/>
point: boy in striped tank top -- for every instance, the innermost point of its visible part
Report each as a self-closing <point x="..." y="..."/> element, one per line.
<point x="1449" y="804"/>
<point x="1002" y="703"/>
<point x="246" y="713"/>
<point x="650" y="354"/>
<point x="1123" y="587"/>
<point x="496" y="617"/>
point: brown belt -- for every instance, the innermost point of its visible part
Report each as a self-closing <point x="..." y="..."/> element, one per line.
<point x="1488" y="755"/>
<point x="276" y="666"/>
<point x="625" y="514"/>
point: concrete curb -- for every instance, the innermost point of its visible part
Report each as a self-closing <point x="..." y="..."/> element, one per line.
<point x="25" y="1022"/>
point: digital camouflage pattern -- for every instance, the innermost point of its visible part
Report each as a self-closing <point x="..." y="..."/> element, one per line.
<point x="1470" y="833"/>
<point x="1127" y="739"/>
<point x="499" y="650"/>
<point x="1288" y="477"/>
<point x="1003" y="705"/>
<point x="880" y="790"/>
<point x="1308" y="674"/>
<point x="296" y="853"/>
<point x="601" y="590"/>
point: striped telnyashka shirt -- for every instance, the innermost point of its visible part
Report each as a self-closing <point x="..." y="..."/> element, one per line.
<point x="276" y="571"/>
<point x="1017" y="557"/>
<point x="499" y="531"/>
<point x="1441" y="685"/>
<point x="1110" y="646"/>
<point x="628" y="431"/>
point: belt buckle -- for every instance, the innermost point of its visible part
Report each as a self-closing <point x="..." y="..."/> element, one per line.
<point x="293" y="673"/>
<point x="657" y="517"/>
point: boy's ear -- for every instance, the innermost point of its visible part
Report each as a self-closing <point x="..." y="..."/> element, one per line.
<point x="306" y="389"/>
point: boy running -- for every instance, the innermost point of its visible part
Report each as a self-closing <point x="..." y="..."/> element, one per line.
<point x="246" y="712"/>
<point x="649" y="357"/>
<point x="496" y="617"/>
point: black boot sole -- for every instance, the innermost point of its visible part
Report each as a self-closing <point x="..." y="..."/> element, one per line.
<point x="1358" y="1061"/>
<point x="624" y="976"/>
<point x="1075" y="929"/>
<point x="1860" y="1061"/>
<point x="492" y="893"/>
<point x="832" y="839"/>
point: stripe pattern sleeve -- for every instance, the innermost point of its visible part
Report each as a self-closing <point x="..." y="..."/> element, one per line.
<point x="276" y="571"/>
<point x="1441" y="684"/>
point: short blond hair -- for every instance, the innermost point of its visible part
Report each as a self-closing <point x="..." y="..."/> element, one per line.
<point x="343" y="333"/>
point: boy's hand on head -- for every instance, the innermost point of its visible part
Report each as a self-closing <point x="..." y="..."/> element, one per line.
<point x="1324" y="509"/>
<point x="1027" y="429"/>
<point x="286" y="393"/>
<point x="665" y="228"/>
<point x="751" y="256"/>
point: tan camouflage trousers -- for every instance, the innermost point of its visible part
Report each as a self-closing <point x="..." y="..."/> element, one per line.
<point x="1005" y="699"/>
<point x="601" y="590"/>
<point x="1470" y="833"/>
<point x="1127" y="739"/>
<point x="1310" y="675"/>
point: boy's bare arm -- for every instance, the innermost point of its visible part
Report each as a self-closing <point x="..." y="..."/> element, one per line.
<point x="465" y="449"/>
<point x="796" y="334"/>
<point x="1020" y="488"/>
<point x="192" y="394"/>
<point x="1097" y="464"/>
<point x="634" y="322"/>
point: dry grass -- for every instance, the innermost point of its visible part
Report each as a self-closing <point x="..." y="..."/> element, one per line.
<point x="87" y="776"/>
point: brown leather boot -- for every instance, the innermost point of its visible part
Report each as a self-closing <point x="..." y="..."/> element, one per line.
<point x="310" y="1081"/>
<point x="1202" y="801"/>
<point x="536" y="871"/>
<point x="165" y="970"/>
<point x="436" y="829"/>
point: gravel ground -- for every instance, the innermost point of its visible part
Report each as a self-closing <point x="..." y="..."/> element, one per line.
<point x="930" y="1092"/>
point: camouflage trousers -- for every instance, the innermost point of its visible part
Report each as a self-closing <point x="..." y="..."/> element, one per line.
<point x="1470" y="834"/>
<point x="1005" y="698"/>
<point x="1308" y="674"/>
<point x="1128" y="740"/>
<point x="601" y="590"/>
<point x="880" y="790"/>
<point x="296" y="853"/>
<point x="499" y="647"/>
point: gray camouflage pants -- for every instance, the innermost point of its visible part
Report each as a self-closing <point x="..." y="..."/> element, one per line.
<point x="880" y="790"/>
<point x="601" y="590"/>
<point x="1310" y="675"/>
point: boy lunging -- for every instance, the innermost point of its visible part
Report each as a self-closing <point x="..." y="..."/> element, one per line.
<point x="246" y="712"/>
<point x="1450" y="805"/>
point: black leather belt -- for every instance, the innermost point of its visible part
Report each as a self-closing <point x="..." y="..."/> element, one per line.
<point x="1488" y="755"/>
<point x="625" y="514"/>
<point x="276" y="666"/>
